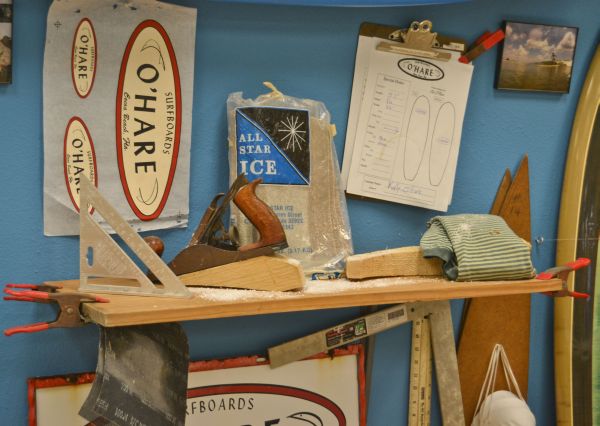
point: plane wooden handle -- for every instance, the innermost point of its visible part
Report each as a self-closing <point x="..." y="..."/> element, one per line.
<point x="262" y="217"/>
<point x="156" y="244"/>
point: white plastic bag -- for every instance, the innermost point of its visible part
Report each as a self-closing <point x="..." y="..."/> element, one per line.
<point x="501" y="408"/>
<point x="288" y="143"/>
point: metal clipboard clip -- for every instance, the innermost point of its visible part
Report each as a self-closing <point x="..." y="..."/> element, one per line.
<point x="416" y="40"/>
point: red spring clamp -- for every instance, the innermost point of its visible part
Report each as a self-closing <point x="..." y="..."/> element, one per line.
<point x="563" y="272"/>
<point x="481" y="45"/>
<point x="69" y="304"/>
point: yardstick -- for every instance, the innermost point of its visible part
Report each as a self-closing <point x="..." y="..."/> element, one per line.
<point x="419" y="406"/>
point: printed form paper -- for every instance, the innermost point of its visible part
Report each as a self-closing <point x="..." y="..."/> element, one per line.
<point x="361" y="69"/>
<point x="409" y="129"/>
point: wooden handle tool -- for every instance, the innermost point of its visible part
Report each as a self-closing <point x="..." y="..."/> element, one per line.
<point x="156" y="244"/>
<point x="262" y="217"/>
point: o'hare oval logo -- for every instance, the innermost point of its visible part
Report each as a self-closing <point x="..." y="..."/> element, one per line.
<point x="148" y="119"/>
<point x="260" y="404"/>
<point x="79" y="158"/>
<point x="421" y="69"/>
<point x="84" y="58"/>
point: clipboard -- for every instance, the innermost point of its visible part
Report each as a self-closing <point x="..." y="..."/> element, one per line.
<point x="417" y="41"/>
<point x="369" y="35"/>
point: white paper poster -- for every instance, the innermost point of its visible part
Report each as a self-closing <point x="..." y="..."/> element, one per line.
<point x="118" y="84"/>
<point x="245" y="391"/>
<point x="408" y="130"/>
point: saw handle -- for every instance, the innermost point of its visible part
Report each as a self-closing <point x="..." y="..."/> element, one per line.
<point x="262" y="217"/>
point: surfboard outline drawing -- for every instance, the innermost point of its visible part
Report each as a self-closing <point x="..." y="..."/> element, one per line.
<point x="422" y="145"/>
<point x="577" y="237"/>
<point x="436" y="180"/>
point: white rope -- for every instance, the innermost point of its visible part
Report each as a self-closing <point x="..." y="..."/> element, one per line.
<point x="489" y="384"/>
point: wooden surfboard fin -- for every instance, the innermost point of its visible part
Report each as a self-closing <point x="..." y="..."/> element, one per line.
<point x="516" y="209"/>
<point x="480" y="329"/>
<point x="496" y="206"/>
<point x="501" y="194"/>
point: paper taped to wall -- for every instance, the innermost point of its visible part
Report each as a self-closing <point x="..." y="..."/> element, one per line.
<point x="118" y="84"/>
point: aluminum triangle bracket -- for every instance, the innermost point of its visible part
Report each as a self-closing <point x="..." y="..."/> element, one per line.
<point x="105" y="267"/>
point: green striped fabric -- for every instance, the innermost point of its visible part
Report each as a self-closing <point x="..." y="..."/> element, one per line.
<point x="477" y="247"/>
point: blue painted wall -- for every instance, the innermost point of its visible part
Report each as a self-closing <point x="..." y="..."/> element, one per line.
<point x="306" y="52"/>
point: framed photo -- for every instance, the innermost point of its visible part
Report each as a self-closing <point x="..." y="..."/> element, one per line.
<point x="320" y="390"/>
<point x="536" y="57"/>
<point x="6" y="18"/>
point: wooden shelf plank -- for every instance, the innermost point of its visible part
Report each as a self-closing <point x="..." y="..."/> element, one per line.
<point x="220" y="303"/>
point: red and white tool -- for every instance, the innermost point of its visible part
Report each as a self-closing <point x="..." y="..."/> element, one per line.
<point x="69" y="304"/>
<point x="481" y="45"/>
<point x="562" y="272"/>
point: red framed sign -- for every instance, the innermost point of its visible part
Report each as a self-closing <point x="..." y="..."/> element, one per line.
<point x="319" y="391"/>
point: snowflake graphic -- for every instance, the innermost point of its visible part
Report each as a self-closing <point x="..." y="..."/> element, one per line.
<point x="294" y="136"/>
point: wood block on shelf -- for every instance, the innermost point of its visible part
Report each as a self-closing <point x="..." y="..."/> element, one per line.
<point x="271" y="273"/>
<point x="398" y="262"/>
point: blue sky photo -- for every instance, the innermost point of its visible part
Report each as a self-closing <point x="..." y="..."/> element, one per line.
<point x="533" y="43"/>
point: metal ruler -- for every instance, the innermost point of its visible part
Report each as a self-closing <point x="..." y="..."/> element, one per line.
<point x="442" y="344"/>
<point x="101" y="257"/>
<point x="419" y="406"/>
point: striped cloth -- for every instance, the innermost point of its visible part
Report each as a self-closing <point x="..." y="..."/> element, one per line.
<point x="477" y="247"/>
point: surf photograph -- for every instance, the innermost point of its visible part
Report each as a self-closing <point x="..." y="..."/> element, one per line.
<point x="6" y="42"/>
<point x="537" y="57"/>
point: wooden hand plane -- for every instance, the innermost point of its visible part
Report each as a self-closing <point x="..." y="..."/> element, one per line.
<point x="213" y="253"/>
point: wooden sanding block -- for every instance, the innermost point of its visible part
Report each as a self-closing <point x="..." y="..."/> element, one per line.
<point x="270" y="273"/>
<point x="398" y="262"/>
